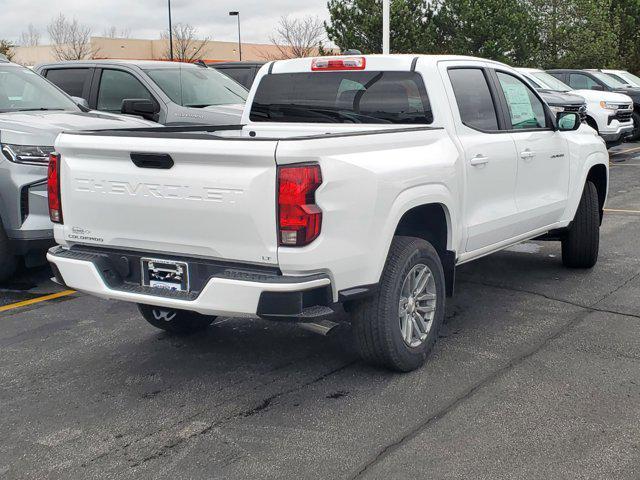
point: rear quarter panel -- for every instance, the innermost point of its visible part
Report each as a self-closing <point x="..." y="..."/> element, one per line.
<point x="369" y="182"/>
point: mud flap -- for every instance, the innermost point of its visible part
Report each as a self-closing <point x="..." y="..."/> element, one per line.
<point x="448" y="259"/>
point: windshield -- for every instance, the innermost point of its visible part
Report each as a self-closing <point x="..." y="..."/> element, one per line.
<point x="198" y="87"/>
<point x="551" y="82"/>
<point x="342" y="97"/>
<point x="632" y="79"/>
<point x="608" y="81"/>
<point x="23" y="90"/>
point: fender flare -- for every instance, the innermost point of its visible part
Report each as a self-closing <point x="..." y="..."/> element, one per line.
<point x="594" y="159"/>
<point x="415" y="197"/>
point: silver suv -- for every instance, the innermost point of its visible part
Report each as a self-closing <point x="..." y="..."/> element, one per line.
<point x="170" y="93"/>
<point x="32" y="114"/>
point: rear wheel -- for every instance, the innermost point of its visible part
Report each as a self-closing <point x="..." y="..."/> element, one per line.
<point x="175" y="321"/>
<point x="8" y="261"/>
<point x="582" y="241"/>
<point x="398" y="326"/>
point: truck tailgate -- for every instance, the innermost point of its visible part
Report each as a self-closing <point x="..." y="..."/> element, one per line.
<point x="217" y="199"/>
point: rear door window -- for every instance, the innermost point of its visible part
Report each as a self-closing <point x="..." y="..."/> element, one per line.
<point x="117" y="85"/>
<point x="475" y="104"/>
<point x="70" y="80"/>
<point x="342" y="97"/>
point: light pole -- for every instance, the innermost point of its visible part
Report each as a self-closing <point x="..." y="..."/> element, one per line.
<point x="170" y="33"/>
<point x="386" y="14"/>
<point x="237" y="14"/>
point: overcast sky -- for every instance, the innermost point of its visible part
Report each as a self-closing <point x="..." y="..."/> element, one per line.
<point x="146" y="18"/>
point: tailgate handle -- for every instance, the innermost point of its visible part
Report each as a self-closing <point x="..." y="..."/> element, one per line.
<point x="160" y="161"/>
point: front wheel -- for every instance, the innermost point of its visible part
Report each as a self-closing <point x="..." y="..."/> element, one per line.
<point x="175" y="321"/>
<point x="398" y="326"/>
<point x="581" y="243"/>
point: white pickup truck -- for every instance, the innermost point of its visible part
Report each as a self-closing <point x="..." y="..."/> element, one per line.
<point x="354" y="182"/>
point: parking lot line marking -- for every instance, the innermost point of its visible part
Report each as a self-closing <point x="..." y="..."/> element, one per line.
<point x="32" y="301"/>
<point x="616" y="210"/>
<point x="616" y="164"/>
<point x="620" y="152"/>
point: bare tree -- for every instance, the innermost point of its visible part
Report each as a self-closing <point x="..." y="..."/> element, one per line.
<point x="112" y="32"/>
<point x="69" y="39"/>
<point x="30" y="37"/>
<point x="296" y="37"/>
<point x="186" y="46"/>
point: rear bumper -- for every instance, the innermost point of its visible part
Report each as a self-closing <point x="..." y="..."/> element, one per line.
<point x="229" y="292"/>
<point x="25" y="246"/>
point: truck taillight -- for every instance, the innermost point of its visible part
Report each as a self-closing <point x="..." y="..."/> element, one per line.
<point x="349" y="63"/>
<point x="299" y="218"/>
<point x="53" y="188"/>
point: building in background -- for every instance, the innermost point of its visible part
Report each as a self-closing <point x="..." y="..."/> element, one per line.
<point x="140" y="49"/>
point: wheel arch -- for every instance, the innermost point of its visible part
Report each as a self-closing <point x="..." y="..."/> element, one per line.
<point x="592" y="123"/>
<point x="599" y="177"/>
<point x="432" y="222"/>
<point x="429" y="221"/>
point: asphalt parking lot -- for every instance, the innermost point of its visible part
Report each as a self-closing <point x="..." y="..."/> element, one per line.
<point x="537" y="375"/>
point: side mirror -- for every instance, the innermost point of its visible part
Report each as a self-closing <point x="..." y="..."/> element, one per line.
<point x="600" y="88"/>
<point x="82" y="103"/>
<point x="568" y="121"/>
<point x="142" y="107"/>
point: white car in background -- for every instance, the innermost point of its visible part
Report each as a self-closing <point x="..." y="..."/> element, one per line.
<point x="608" y="113"/>
<point x="624" y="77"/>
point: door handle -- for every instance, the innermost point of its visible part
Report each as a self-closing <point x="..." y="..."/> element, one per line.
<point x="527" y="154"/>
<point x="479" y="160"/>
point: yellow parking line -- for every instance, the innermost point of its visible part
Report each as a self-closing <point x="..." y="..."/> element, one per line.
<point x="615" y="210"/>
<point x="44" y="298"/>
<point x="629" y="150"/>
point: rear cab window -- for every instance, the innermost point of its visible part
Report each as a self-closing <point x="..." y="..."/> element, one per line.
<point x="378" y="97"/>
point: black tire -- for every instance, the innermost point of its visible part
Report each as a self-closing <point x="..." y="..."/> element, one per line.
<point x="8" y="261"/>
<point x="175" y="321"/>
<point x="635" y="133"/>
<point x="581" y="243"/>
<point x="376" y="324"/>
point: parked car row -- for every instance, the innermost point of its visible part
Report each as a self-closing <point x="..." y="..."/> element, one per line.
<point x="174" y="94"/>
<point x="608" y="113"/>
<point x="509" y="160"/>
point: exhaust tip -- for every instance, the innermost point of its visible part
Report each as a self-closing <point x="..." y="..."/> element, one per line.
<point x="323" y="327"/>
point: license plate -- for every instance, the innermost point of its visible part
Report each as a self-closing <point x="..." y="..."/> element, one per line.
<point x="166" y="274"/>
